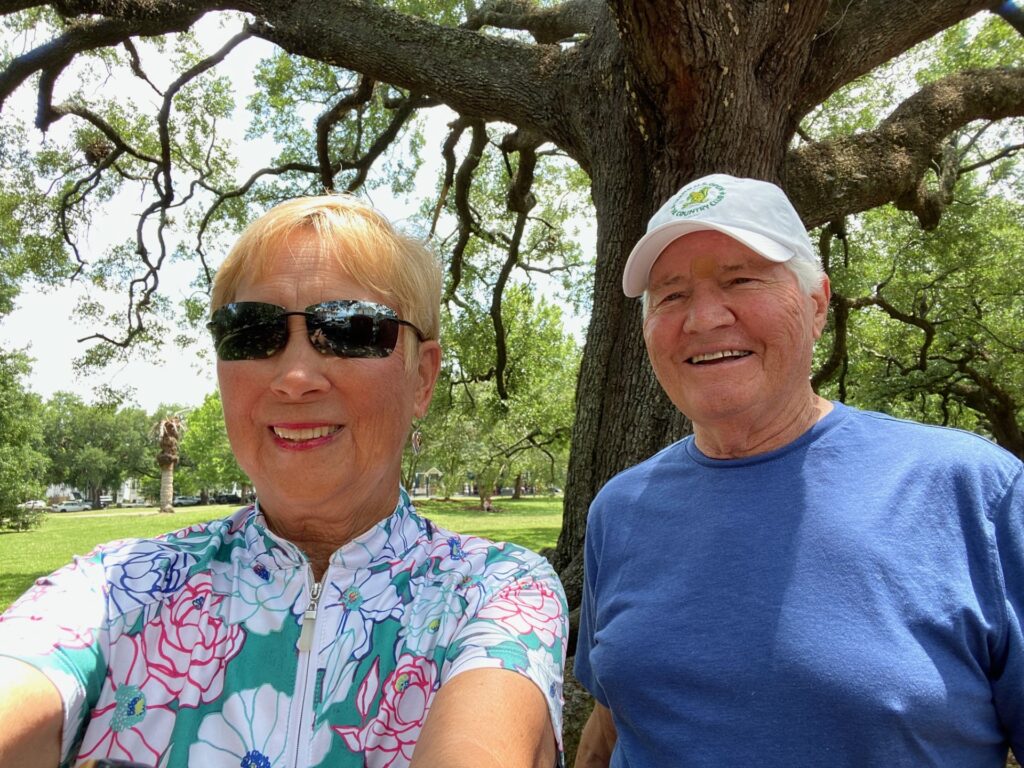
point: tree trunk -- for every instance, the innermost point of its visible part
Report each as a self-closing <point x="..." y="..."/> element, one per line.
<point x="167" y="488"/>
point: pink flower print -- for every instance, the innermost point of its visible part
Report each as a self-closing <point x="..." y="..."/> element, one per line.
<point x="188" y="647"/>
<point x="133" y="718"/>
<point x="390" y="738"/>
<point x="528" y="607"/>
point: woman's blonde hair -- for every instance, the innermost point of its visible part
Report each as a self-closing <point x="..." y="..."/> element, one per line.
<point x="365" y="246"/>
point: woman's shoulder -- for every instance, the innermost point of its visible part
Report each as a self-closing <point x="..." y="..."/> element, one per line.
<point x="480" y="559"/>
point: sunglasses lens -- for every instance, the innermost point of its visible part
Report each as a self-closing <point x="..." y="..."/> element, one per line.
<point x="248" y="330"/>
<point x="352" y="329"/>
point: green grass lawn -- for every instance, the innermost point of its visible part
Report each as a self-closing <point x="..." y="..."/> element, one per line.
<point x="25" y="556"/>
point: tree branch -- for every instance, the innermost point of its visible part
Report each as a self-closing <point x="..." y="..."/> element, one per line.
<point x="327" y="120"/>
<point x="85" y="35"/>
<point x="463" y="181"/>
<point x="477" y="75"/>
<point x="858" y="35"/>
<point x="854" y="173"/>
<point x="547" y="25"/>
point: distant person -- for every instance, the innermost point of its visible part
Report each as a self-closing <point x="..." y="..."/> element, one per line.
<point x="329" y="624"/>
<point x="798" y="583"/>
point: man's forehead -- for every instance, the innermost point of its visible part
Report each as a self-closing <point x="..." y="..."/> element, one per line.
<point x="693" y="259"/>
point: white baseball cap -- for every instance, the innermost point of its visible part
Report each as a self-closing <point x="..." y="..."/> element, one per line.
<point x="756" y="213"/>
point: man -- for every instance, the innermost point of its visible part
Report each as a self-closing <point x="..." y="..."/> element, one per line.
<point x="798" y="583"/>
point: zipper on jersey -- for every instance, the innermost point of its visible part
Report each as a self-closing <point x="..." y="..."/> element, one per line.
<point x="301" y="721"/>
<point x="309" y="618"/>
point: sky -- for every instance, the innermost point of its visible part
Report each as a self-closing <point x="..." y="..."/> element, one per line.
<point x="43" y="326"/>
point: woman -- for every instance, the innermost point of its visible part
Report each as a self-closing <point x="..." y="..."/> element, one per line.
<point x="328" y="624"/>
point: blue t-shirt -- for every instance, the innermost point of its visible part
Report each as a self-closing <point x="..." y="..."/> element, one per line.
<point x="852" y="599"/>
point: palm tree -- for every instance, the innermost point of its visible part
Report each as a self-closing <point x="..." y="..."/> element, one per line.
<point x="171" y="429"/>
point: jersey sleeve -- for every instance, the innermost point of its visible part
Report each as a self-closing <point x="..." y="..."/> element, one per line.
<point x="55" y="626"/>
<point x="1008" y="682"/>
<point x="522" y="626"/>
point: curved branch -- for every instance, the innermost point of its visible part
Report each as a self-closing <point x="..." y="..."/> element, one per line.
<point x="520" y="201"/>
<point x="479" y="76"/>
<point x="83" y="36"/>
<point x="222" y="197"/>
<point x="362" y="165"/>
<point x="547" y="25"/>
<point x="328" y="119"/>
<point x="850" y="174"/>
<point x="163" y="118"/>
<point x="858" y="35"/>
<point x="463" y="180"/>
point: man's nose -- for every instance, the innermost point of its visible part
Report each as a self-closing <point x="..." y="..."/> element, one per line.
<point x="708" y="310"/>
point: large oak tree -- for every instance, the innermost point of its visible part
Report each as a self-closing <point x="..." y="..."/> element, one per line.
<point x="642" y="95"/>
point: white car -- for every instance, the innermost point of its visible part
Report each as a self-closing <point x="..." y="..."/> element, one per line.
<point x="33" y="504"/>
<point x="75" y="505"/>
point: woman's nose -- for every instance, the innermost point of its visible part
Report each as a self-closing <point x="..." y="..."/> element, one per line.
<point x="301" y="370"/>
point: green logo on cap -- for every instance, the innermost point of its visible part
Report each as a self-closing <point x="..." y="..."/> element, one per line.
<point x="693" y="200"/>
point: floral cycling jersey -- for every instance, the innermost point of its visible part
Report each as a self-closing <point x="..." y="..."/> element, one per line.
<point x="212" y="646"/>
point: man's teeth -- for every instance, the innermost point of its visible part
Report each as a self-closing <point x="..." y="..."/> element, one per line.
<point x="308" y="433"/>
<point x="718" y="355"/>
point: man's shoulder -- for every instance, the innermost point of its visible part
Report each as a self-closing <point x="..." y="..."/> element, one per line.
<point x="939" y="449"/>
<point x="957" y="442"/>
<point x="632" y="480"/>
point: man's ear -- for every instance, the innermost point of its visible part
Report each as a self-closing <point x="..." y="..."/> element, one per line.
<point x="821" y="298"/>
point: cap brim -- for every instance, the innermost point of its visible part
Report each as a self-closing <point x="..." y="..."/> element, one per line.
<point x="649" y="248"/>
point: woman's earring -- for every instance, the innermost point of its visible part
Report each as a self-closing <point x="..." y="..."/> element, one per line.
<point x="416" y="441"/>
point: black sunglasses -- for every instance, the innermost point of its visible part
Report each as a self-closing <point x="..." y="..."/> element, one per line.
<point x="255" y="330"/>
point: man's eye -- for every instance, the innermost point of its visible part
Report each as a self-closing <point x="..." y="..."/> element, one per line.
<point x="670" y="297"/>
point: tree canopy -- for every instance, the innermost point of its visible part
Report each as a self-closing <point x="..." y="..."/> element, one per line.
<point x="95" y="447"/>
<point x="23" y="461"/>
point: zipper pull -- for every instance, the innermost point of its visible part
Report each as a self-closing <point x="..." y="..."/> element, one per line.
<point x="309" y="619"/>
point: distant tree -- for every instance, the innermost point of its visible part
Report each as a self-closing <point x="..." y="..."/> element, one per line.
<point x="95" y="447"/>
<point x="211" y="464"/>
<point x="23" y="463"/>
<point x="496" y="428"/>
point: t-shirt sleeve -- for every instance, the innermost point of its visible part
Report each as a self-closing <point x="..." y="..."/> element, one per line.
<point x="522" y="625"/>
<point x="1008" y="683"/>
<point x="55" y="627"/>
<point x="588" y="627"/>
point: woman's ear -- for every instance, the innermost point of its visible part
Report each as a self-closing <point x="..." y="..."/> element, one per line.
<point x="428" y="367"/>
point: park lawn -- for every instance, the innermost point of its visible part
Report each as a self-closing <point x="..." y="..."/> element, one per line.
<point x="25" y="556"/>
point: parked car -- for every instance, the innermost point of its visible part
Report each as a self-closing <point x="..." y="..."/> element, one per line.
<point x="33" y="504"/>
<point x="74" y="505"/>
<point x="185" y="501"/>
<point x="228" y="498"/>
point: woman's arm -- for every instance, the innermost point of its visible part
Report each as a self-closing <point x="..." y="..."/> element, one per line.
<point x="597" y="740"/>
<point x="31" y="712"/>
<point x="492" y="717"/>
